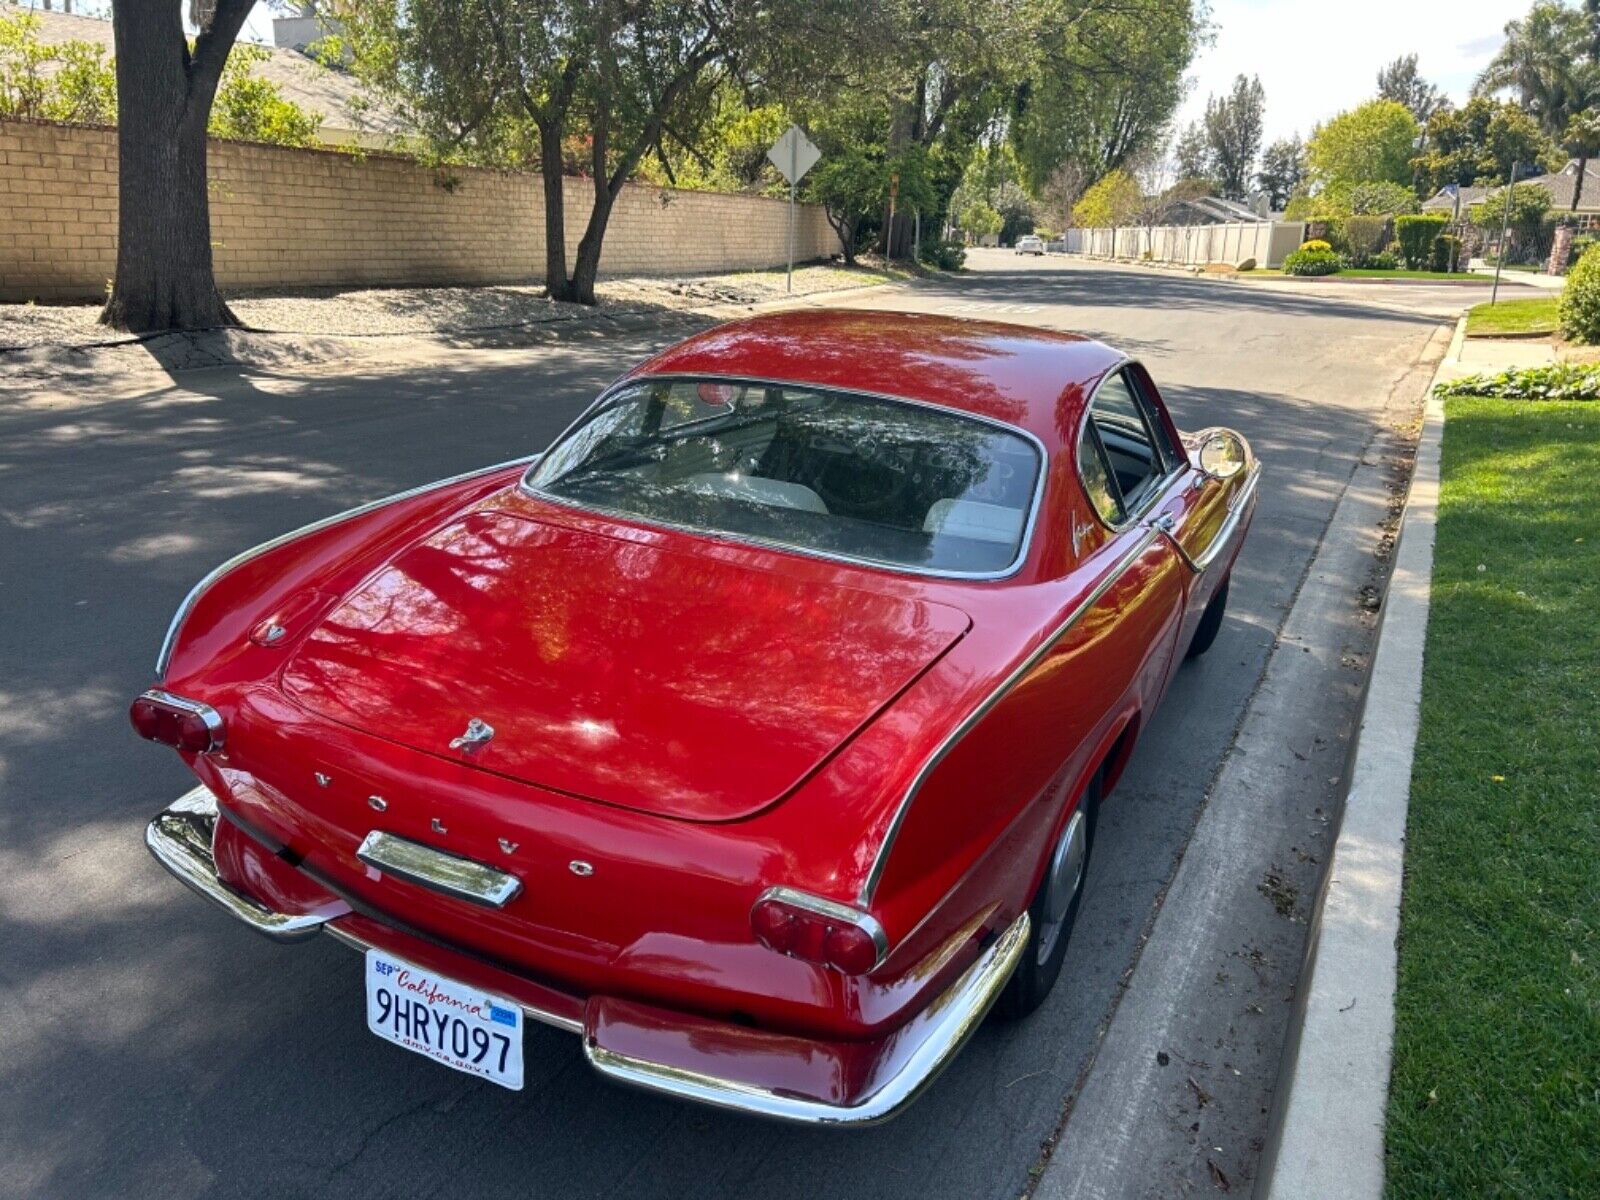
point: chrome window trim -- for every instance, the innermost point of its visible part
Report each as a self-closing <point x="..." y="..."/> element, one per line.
<point x="1024" y="545"/>
<point x="1134" y="516"/>
<point x="953" y="1016"/>
<point x="212" y="718"/>
<point x="438" y="870"/>
<point x="870" y="886"/>
<point x="834" y="911"/>
<point x="164" y="657"/>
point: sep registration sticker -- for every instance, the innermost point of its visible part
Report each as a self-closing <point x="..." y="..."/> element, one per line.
<point x="460" y="1026"/>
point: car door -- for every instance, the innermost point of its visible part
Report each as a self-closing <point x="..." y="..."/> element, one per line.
<point x="1130" y="468"/>
<point x="1193" y="508"/>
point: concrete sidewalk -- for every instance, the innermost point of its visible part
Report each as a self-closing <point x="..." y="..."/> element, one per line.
<point x="1328" y="1135"/>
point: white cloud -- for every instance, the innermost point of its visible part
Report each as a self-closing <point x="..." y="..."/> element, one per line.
<point x="1315" y="61"/>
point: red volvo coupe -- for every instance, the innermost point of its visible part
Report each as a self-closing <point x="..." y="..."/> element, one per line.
<point x="754" y="732"/>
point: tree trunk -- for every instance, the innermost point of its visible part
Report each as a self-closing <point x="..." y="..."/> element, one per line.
<point x="586" y="267"/>
<point x="164" y="276"/>
<point x="1577" y="184"/>
<point x="556" y="285"/>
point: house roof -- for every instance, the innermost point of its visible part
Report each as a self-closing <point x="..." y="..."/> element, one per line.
<point x="1218" y="209"/>
<point x="1560" y="184"/>
<point x="348" y="111"/>
<point x="1445" y="198"/>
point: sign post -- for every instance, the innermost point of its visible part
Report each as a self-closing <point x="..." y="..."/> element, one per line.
<point x="793" y="155"/>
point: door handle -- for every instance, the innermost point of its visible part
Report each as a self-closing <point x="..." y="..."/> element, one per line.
<point x="1166" y="525"/>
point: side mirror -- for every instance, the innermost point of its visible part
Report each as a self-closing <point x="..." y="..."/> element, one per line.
<point x="1222" y="455"/>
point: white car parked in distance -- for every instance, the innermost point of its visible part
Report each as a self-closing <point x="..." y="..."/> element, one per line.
<point x="1030" y="244"/>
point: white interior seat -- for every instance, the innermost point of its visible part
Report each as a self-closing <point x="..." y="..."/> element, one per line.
<point x="974" y="520"/>
<point x="774" y="492"/>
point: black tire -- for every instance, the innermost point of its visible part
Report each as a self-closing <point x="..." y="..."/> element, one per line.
<point x="1034" y="976"/>
<point x="1210" y="622"/>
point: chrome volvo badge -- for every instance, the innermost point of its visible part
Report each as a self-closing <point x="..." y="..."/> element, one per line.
<point x="477" y="736"/>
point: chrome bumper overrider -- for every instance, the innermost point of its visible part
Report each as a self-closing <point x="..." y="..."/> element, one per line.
<point x="180" y="838"/>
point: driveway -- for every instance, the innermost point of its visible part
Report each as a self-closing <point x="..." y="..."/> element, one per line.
<point x="149" y="1047"/>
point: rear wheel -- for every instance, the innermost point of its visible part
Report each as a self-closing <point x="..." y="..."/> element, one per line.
<point x="1053" y="911"/>
<point x="1210" y="622"/>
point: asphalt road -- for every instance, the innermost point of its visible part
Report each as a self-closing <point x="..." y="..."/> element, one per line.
<point x="149" y="1047"/>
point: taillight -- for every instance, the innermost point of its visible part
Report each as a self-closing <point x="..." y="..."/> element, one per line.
<point x="821" y="931"/>
<point x="176" y="722"/>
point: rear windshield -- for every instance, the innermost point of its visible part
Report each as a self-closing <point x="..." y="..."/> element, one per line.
<point x="826" y="472"/>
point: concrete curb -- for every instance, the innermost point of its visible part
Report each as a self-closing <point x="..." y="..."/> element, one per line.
<point x="1327" y="1135"/>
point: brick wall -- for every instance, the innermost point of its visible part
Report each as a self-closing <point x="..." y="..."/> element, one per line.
<point x="288" y="218"/>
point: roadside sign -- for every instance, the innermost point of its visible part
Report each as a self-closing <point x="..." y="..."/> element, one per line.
<point x="793" y="155"/>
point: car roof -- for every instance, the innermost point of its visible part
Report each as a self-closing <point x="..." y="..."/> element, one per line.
<point x="1037" y="379"/>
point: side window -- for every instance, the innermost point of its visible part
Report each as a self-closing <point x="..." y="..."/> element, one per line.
<point x="1132" y="447"/>
<point x="1145" y="392"/>
<point x="1096" y="476"/>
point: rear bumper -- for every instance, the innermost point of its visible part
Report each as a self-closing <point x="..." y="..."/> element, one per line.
<point x="813" y="1082"/>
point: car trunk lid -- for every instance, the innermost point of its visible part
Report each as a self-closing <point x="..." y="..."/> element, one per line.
<point x="667" y="681"/>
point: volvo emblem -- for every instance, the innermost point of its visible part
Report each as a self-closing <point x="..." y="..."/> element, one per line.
<point x="477" y="736"/>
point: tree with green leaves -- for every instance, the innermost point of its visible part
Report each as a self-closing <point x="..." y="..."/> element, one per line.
<point x="1551" y="60"/>
<point x="1479" y="143"/>
<point x="165" y="87"/>
<point x="1107" y="79"/>
<point x="1115" y="199"/>
<point x="507" y="81"/>
<point x="1233" y="125"/>
<point x="1283" y="167"/>
<point x="1191" y="154"/>
<point x="1400" y="82"/>
<point x="1371" y="142"/>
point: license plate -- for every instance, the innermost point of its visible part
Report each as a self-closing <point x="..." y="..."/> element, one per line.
<point x="461" y="1026"/>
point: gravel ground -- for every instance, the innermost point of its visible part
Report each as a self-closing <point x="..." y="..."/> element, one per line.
<point x="378" y="311"/>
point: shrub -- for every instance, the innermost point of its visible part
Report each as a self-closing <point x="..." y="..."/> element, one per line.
<point x="1560" y="381"/>
<point x="1416" y="234"/>
<point x="1446" y="253"/>
<point x="1580" y="300"/>
<point x="1383" y="260"/>
<point x="1364" y="236"/>
<point x="1307" y="261"/>
<point x="1315" y="245"/>
<point x="944" y="256"/>
<point x="1580" y="247"/>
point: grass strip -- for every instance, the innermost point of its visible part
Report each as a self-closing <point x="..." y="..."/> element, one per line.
<point x="1496" y="1083"/>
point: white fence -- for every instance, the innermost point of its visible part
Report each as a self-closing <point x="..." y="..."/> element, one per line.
<point x="1265" y="241"/>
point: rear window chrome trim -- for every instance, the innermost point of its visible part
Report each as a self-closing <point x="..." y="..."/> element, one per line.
<point x="1024" y="545"/>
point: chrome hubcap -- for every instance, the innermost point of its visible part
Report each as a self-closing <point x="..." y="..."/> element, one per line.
<point x="1063" y="881"/>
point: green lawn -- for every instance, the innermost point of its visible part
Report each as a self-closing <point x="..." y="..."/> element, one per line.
<point x="1514" y="316"/>
<point x="1496" y="1085"/>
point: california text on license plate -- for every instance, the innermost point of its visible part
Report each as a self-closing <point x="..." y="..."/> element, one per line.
<point x="461" y="1026"/>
